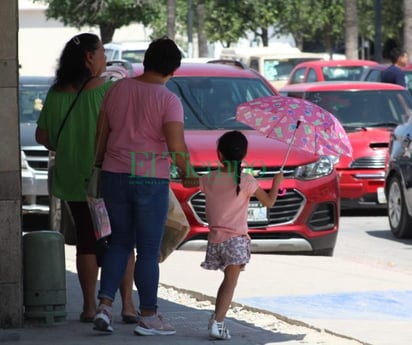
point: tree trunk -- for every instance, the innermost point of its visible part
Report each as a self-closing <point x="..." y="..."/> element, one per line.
<point x="106" y="33"/>
<point x="201" y="35"/>
<point x="407" y="27"/>
<point x="171" y="18"/>
<point x="298" y="40"/>
<point x="265" y="37"/>
<point x="351" y="29"/>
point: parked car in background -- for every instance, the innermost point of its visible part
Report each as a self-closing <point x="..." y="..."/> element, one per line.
<point x="132" y="51"/>
<point x="274" y="63"/>
<point x="368" y="112"/>
<point x="34" y="157"/>
<point x="305" y="218"/>
<point x="398" y="181"/>
<point x="374" y="73"/>
<point x="328" y="70"/>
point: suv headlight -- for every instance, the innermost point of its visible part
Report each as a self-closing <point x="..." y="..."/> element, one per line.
<point x="323" y="167"/>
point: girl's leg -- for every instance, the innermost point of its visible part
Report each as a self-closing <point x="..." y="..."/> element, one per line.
<point x="226" y="290"/>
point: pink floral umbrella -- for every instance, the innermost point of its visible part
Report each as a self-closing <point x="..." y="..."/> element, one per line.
<point x="297" y="122"/>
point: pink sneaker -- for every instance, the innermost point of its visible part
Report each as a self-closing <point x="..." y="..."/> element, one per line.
<point x="153" y="325"/>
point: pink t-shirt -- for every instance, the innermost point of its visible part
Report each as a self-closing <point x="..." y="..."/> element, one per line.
<point x="136" y="113"/>
<point x="226" y="212"/>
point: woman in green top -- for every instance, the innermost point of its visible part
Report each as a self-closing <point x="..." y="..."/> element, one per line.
<point x="81" y="64"/>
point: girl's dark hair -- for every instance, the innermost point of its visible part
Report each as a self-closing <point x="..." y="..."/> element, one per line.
<point x="72" y="69"/>
<point x="233" y="146"/>
<point x="163" y="56"/>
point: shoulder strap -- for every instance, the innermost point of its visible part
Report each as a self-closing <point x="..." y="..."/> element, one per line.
<point x="70" y="109"/>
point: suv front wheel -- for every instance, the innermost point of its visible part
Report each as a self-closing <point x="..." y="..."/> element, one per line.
<point x="399" y="219"/>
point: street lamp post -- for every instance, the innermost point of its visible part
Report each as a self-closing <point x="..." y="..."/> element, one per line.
<point x="189" y="29"/>
<point x="378" y="31"/>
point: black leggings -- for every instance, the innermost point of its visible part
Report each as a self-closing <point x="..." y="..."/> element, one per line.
<point x="86" y="240"/>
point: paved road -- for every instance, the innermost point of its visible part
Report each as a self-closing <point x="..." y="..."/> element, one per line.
<point x="365" y="295"/>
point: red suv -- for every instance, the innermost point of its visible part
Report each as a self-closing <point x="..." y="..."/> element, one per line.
<point x="369" y="112"/>
<point x="305" y="217"/>
<point x="328" y="70"/>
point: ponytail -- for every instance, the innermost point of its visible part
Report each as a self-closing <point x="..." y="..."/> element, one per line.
<point x="238" y="173"/>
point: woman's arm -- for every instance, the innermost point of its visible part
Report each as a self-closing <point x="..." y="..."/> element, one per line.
<point x="42" y="137"/>
<point x="102" y="134"/>
<point x="174" y="134"/>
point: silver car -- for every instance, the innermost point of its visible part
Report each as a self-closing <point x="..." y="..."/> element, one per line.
<point x="34" y="157"/>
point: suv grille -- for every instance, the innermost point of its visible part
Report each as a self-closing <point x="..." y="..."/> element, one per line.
<point x="285" y="210"/>
<point x="37" y="159"/>
<point x="368" y="163"/>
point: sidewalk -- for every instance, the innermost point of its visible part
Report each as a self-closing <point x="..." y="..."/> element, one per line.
<point x="190" y="322"/>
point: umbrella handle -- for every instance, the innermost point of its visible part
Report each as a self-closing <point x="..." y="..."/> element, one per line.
<point x="290" y="145"/>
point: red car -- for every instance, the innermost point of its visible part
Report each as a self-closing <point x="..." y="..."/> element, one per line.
<point x="305" y="218"/>
<point x="369" y="112"/>
<point x="328" y="70"/>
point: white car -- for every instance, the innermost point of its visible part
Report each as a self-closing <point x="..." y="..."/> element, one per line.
<point x="132" y="51"/>
<point x="34" y="157"/>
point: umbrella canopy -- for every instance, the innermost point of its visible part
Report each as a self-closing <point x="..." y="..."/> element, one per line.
<point x="297" y="122"/>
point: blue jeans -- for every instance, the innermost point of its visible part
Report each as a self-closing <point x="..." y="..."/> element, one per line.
<point x="137" y="207"/>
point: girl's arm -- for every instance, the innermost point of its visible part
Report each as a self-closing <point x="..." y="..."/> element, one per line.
<point x="269" y="199"/>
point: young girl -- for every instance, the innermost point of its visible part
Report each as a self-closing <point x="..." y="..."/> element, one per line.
<point x="227" y="192"/>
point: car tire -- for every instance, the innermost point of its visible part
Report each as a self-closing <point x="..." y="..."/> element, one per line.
<point x="399" y="219"/>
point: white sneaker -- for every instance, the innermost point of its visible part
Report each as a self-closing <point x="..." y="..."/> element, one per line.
<point x="218" y="330"/>
<point x="212" y="318"/>
<point x="103" y="319"/>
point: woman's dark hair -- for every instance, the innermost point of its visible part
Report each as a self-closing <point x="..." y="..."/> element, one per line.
<point x="163" y="56"/>
<point x="72" y="69"/>
<point x="233" y="146"/>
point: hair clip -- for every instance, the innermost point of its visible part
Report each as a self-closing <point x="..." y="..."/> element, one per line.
<point x="76" y="40"/>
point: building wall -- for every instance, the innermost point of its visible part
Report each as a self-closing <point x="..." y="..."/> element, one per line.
<point x="11" y="282"/>
<point x="42" y="40"/>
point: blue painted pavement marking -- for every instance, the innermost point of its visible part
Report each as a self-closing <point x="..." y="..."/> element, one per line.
<point x="377" y="305"/>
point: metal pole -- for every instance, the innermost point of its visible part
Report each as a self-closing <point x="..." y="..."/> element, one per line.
<point x="378" y="31"/>
<point x="189" y="29"/>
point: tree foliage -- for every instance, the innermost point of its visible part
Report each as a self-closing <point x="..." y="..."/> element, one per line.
<point x="227" y="21"/>
<point x="108" y="15"/>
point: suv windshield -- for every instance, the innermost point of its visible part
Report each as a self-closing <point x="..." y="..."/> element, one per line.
<point x="375" y="108"/>
<point x="211" y="102"/>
